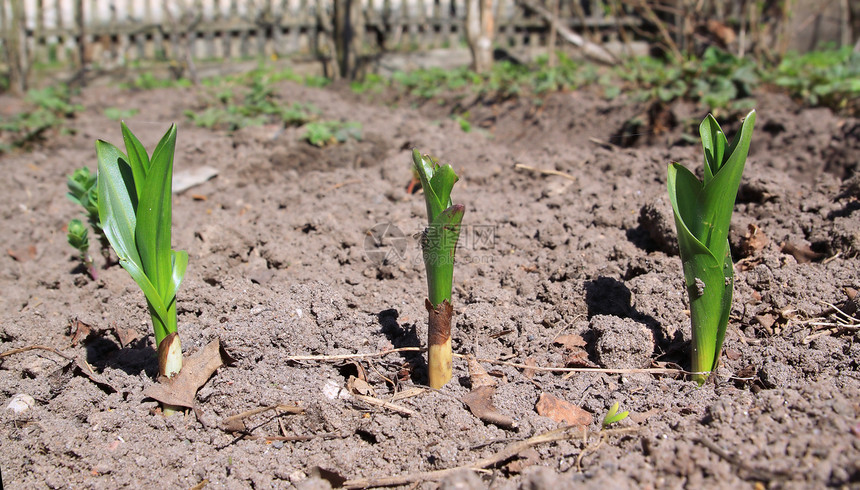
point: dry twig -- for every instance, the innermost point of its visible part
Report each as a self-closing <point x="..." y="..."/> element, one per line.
<point x="508" y="452"/>
<point x="546" y="172"/>
<point x="36" y="347"/>
<point x="342" y="357"/>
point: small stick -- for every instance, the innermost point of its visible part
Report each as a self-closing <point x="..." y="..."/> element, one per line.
<point x="546" y="172"/>
<point x="342" y="357"/>
<point x="606" y="144"/>
<point x="36" y="347"/>
<point x="288" y="438"/>
<point x="384" y="404"/>
<point x="587" y="370"/>
<point x="508" y="452"/>
<point x="341" y="184"/>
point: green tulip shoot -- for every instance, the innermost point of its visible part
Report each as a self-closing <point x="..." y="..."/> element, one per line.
<point x="703" y="211"/>
<point x="438" y="244"/>
<point x="134" y="207"/>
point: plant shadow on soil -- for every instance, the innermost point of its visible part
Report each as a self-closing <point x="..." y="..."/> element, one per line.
<point x="138" y="357"/>
<point x="404" y="337"/>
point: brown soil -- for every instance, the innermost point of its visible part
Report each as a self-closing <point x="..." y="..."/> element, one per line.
<point x="278" y="268"/>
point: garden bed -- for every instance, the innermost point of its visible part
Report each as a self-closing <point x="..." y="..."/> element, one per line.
<point x="279" y="267"/>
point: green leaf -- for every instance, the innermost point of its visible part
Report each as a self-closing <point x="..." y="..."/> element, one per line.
<point x="714" y="144"/>
<point x="702" y="217"/>
<point x="612" y="416"/>
<point x="179" y="262"/>
<point x="439" y="245"/>
<point x="436" y="181"/>
<point x="156" y="303"/>
<point x="720" y="193"/>
<point x="77" y="236"/>
<point x="153" y="232"/>
<point x="137" y="158"/>
<point x="117" y="208"/>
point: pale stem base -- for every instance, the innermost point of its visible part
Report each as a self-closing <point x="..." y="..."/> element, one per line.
<point x="440" y="361"/>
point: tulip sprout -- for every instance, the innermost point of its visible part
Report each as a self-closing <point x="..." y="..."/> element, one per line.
<point x="438" y="243"/>
<point x="79" y="240"/>
<point x="703" y="211"/>
<point x="83" y="190"/>
<point x="135" y="212"/>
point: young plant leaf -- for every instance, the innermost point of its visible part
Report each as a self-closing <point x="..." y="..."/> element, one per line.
<point x="439" y="244"/>
<point x="137" y="158"/>
<point x="136" y="215"/>
<point x="117" y="208"/>
<point x="703" y="211"/>
<point x="612" y="416"/>
<point x="153" y="232"/>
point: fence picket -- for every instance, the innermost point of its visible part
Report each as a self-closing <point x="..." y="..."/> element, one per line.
<point x="118" y="31"/>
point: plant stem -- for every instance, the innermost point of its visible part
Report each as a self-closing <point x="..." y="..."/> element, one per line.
<point x="169" y="364"/>
<point x="440" y="358"/>
<point x="439" y="245"/>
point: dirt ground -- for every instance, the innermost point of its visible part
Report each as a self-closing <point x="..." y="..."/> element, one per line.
<point x="279" y="267"/>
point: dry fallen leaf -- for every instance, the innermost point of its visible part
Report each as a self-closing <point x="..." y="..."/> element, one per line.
<point x="79" y="331"/>
<point x="478" y="375"/>
<point x="480" y="403"/>
<point x="753" y="241"/>
<point x="196" y="370"/>
<point x="562" y="411"/>
<point x="358" y="386"/>
<point x="126" y="336"/>
<point x="529" y="457"/>
<point x="801" y="253"/>
<point x="24" y="254"/>
<point x="480" y="399"/>
<point x="529" y="372"/>
<point x="577" y="356"/>
<point x="570" y="341"/>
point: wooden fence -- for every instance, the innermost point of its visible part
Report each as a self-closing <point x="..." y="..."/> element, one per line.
<point x="116" y="32"/>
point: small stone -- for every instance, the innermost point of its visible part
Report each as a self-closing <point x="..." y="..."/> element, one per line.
<point x="20" y="403"/>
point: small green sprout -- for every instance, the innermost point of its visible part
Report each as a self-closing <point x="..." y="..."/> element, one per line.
<point x="135" y="208"/>
<point x="83" y="190"/>
<point x="322" y="133"/>
<point x="612" y="416"/>
<point x="79" y="240"/>
<point x="438" y="243"/>
<point x="703" y="211"/>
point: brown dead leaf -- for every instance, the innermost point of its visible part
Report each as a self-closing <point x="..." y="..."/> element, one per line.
<point x="359" y="386"/>
<point x="579" y="358"/>
<point x="562" y="411"/>
<point x="480" y="399"/>
<point x="79" y="331"/>
<point x="733" y="354"/>
<point x="478" y="375"/>
<point x="529" y="457"/>
<point x="480" y="403"/>
<point x="126" y="336"/>
<point x="527" y="372"/>
<point x="802" y="253"/>
<point x="767" y="320"/>
<point x="753" y="241"/>
<point x="196" y="370"/>
<point x="23" y="254"/>
<point x="570" y="341"/>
